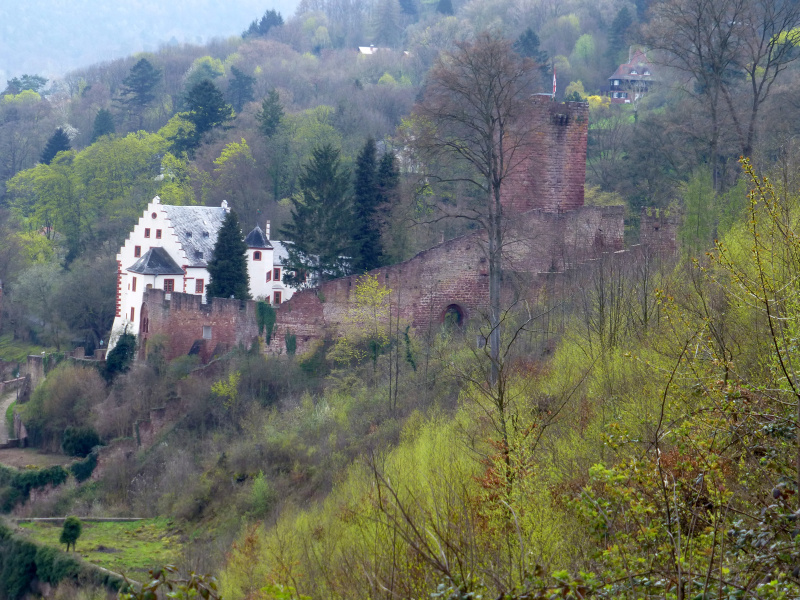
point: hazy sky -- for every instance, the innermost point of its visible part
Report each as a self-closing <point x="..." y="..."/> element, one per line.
<point x="51" y="37"/>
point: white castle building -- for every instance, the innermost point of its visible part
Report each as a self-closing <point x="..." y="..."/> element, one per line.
<point x="169" y="249"/>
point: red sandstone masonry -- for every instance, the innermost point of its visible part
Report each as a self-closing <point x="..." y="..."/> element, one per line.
<point x="182" y="318"/>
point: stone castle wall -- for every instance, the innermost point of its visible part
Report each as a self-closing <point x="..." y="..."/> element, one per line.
<point x="181" y="319"/>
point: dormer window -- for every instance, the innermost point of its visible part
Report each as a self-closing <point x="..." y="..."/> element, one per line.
<point x="633" y="72"/>
<point x="205" y="234"/>
<point x="198" y="254"/>
<point x="188" y="234"/>
<point x="646" y="72"/>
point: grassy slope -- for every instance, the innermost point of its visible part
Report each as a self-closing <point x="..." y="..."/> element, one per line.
<point x="127" y="548"/>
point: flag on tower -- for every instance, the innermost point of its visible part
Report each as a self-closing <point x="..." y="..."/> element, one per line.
<point x="554" y="82"/>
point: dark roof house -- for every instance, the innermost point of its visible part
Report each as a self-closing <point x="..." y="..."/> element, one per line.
<point x="631" y="80"/>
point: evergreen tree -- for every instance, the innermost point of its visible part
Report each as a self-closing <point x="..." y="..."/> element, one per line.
<point x="271" y="114"/>
<point x="260" y="28"/>
<point x="17" y="85"/>
<point x="527" y="45"/>
<point x="103" y="124"/>
<point x="58" y="142"/>
<point x="138" y="88"/>
<point x="207" y="107"/>
<point x="445" y="7"/>
<point x="240" y="88"/>
<point x="617" y="35"/>
<point x="321" y="221"/>
<point x="367" y="252"/>
<point x="388" y="177"/>
<point x="387" y="27"/>
<point x="121" y="356"/>
<point x="409" y="7"/>
<point x="227" y="269"/>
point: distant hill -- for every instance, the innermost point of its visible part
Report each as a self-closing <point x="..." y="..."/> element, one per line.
<point x="51" y="37"/>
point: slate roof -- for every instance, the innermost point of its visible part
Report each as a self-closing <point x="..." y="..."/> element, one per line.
<point x="156" y="261"/>
<point x="280" y="255"/>
<point x="639" y="63"/>
<point x="257" y="239"/>
<point x="196" y="228"/>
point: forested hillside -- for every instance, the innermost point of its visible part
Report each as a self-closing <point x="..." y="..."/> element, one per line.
<point x="630" y="432"/>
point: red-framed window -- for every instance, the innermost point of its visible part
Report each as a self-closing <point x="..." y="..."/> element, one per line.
<point x="133" y="284"/>
<point x="133" y="313"/>
<point x="158" y="234"/>
<point x="256" y="255"/>
<point x="276" y="273"/>
<point x="277" y="297"/>
<point x="147" y="232"/>
<point x="199" y="286"/>
<point x="169" y="285"/>
<point x="137" y="251"/>
<point x="269" y="276"/>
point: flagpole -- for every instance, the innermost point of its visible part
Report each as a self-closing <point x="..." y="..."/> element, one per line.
<point x="554" y="82"/>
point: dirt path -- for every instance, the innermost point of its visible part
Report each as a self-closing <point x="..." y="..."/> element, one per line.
<point x="5" y="402"/>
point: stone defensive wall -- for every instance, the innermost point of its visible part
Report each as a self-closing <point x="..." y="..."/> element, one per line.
<point x="454" y="275"/>
<point x="189" y="326"/>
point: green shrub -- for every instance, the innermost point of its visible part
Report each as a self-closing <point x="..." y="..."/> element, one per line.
<point x="79" y="441"/>
<point x="15" y="486"/>
<point x="82" y="470"/>
<point x="17" y="568"/>
<point x="121" y="356"/>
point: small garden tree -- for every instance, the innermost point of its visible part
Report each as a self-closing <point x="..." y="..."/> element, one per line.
<point x="71" y="532"/>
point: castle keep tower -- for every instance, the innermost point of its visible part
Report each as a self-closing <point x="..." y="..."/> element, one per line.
<point x="552" y="174"/>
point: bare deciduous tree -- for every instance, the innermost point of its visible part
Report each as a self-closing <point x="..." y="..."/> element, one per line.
<point x="475" y="111"/>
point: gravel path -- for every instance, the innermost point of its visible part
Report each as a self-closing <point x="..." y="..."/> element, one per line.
<point x="5" y="402"/>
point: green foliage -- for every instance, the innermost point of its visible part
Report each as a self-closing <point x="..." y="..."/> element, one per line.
<point x="33" y="83"/>
<point x="240" y="88"/>
<point x="697" y="230"/>
<point x="320" y="230"/>
<point x="58" y="142"/>
<point x="207" y="108"/>
<point x="71" y="532"/>
<point x="103" y="125"/>
<point x="121" y="357"/>
<point x="367" y="252"/>
<point x="262" y="496"/>
<point x="138" y="88"/>
<point x="131" y="547"/>
<point x="10" y="416"/>
<point x="79" y="441"/>
<point x="15" y="486"/>
<point x="271" y="114"/>
<point x="227" y="269"/>
<point x="266" y="316"/>
<point x="290" y="339"/>
<point x="204" y="68"/>
<point x="261" y="27"/>
<point x="83" y="469"/>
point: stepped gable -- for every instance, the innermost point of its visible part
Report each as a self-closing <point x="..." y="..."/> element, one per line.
<point x="156" y="261"/>
<point x="196" y="228"/>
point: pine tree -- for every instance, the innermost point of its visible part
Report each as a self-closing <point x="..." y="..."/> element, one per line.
<point x="367" y="252"/>
<point x="138" y="88"/>
<point x="321" y="221"/>
<point x="103" y="124"/>
<point x="445" y="7"/>
<point x="260" y="28"/>
<point x="207" y="107"/>
<point x="386" y="23"/>
<point x="58" y="142"/>
<point x="409" y="8"/>
<point x="527" y="45"/>
<point x="617" y="36"/>
<point x="271" y="114"/>
<point x="227" y="269"/>
<point x="240" y="88"/>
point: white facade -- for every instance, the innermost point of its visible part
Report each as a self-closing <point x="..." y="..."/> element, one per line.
<point x="169" y="249"/>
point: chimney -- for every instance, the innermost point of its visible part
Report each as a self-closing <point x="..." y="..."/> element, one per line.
<point x="267" y="230"/>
